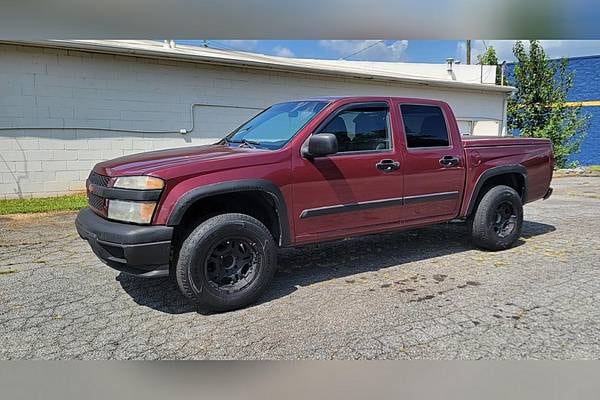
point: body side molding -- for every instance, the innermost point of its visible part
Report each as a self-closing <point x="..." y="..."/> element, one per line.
<point x="365" y="205"/>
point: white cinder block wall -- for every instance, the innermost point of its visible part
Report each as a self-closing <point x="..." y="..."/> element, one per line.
<point x="56" y="89"/>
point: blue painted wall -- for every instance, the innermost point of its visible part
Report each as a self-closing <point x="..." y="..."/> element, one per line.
<point x="586" y="87"/>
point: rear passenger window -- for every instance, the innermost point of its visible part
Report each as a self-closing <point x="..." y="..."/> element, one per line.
<point x="425" y="126"/>
<point x="360" y="128"/>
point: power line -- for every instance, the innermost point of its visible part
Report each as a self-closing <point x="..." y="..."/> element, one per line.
<point x="363" y="49"/>
<point x="223" y="45"/>
<point x="213" y="44"/>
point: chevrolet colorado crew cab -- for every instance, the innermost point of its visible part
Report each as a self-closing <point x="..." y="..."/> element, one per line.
<point x="302" y="172"/>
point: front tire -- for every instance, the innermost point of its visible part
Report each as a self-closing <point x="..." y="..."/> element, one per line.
<point x="226" y="263"/>
<point x="498" y="220"/>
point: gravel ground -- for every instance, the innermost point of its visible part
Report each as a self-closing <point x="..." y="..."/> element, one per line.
<point x="416" y="294"/>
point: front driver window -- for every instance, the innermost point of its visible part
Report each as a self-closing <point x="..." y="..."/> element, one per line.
<point x="360" y="128"/>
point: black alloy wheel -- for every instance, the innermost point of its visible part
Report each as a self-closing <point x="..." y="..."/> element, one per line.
<point x="497" y="221"/>
<point x="226" y="262"/>
<point x="505" y="219"/>
<point x="232" y="264"/>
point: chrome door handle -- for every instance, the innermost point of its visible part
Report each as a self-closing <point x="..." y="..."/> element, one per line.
<point x="449" y="161"/>
<point x="387" y="165"/>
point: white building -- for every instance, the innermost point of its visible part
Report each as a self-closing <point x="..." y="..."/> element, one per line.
<point x="66" y="105"/>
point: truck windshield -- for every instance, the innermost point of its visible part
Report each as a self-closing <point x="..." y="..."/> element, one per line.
<point x="274" y="127"/>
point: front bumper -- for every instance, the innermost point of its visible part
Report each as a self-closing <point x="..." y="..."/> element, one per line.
<point x="134" y="249"/>
<point x="548" y="193"/>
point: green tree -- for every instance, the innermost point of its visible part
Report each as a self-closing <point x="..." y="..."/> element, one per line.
<point x="489" y="58"/>
<point x="539" y="107"/>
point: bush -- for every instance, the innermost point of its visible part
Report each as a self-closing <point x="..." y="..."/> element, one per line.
<point x="539" y="108"/>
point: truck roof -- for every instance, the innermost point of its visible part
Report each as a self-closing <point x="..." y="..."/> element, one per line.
<point x="363" y="98"/>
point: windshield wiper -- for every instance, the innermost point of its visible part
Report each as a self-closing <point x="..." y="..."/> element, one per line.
<point x="245" y="142"/>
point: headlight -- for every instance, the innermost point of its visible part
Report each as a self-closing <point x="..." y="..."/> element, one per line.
<point x="139" y="182"/>
<point x="131" y="211"/>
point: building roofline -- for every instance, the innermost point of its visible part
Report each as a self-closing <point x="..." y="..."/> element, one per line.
<point x="568" y="58"/>
<point x="153" y="49"/>
<point x="577" y="58"/>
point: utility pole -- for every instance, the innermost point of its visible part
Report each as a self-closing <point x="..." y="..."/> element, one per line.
<point x="468" y="52"/>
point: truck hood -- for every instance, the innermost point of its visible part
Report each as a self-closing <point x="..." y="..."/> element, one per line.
<point x="165" y="163"/>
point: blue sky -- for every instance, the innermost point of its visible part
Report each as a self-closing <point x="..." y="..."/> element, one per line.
<point x="427" y="51"/>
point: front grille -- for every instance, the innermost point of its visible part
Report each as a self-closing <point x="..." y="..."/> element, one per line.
<point x="100" y="180"/>
<point x="96" y="201"/>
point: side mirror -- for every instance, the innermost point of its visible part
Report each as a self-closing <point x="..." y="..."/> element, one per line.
<point x="322" y="144"/>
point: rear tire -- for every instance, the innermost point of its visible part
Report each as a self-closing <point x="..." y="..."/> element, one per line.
<point x="498" y="220"/>
<point x="226" y="262"/>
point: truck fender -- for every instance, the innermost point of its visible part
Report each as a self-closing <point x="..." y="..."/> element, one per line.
<point x="490" y="173"/>
<point x="192" y="196"/>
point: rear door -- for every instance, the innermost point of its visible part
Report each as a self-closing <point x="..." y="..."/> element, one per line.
<point x="357" y="188"/>
<point x="434" y="169"/>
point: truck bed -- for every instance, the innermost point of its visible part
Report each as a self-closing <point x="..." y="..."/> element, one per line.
<point x="535" y="155"/>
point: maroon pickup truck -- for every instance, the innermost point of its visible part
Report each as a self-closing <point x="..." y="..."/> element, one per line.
<point x="304" y="172"/>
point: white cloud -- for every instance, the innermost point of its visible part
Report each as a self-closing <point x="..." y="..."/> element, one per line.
<point x="282" y="51"/>
<point x="553" y="48"/>
<point x="373" y="50"/>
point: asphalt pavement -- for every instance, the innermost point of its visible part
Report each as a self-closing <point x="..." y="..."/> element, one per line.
<point x="418" y="294"/>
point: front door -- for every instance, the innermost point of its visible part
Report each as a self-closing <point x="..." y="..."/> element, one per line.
<point x="360" y="186"/>
<point x="433" y="167"/>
